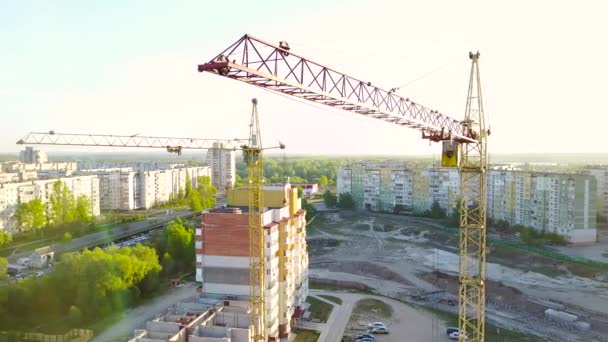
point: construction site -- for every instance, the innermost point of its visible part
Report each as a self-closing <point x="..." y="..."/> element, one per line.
<point x="257" y="257"/>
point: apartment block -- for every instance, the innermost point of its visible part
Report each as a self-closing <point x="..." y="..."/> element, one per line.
<point x="399" y="186"/>
<point x="221" y="159"/>
<point x="125" y="189"/>
<point x="565" y="204"/>
<point x="64" y="169"/>
<point x="33" y="156"/>
<point x="12" y="194"/>
<point x="222" y="254"/>
<point x="155" y="187"/>
<point x="600" y="173"/>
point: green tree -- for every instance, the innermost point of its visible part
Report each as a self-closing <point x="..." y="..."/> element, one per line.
<point x="3" y="268"/>
<point x="31" y="215"/>
<point x="179" y="243"/>
<point x="323" y="181"/>
<point x="195" y="201"/>
<point x="84" y="210"/>
<point x="74" y="315"/>
<point x="188" y="184"/>
<point x="180" y="194"/>
<point x="206" y="191"/>
<point x="67" y="237"/>
<point x="329" y="199"/>
<point x="345" y="201"/>
<point x="69" y="206"/>
<point x="38" y="210"/>
<point x="24" y="217"/>
<point x="56" y="204"/>
<point x="437" y="211"/>
<point x="4" y="237"/>
<point x="62" y="204"/>
<point x="168" y="264"/>
<point x="300" y="191"/>
<point x="310" y="210"/>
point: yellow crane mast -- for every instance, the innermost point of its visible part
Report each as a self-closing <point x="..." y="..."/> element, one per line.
<point x="473" y="175"/>
<point x="255" y="170"/>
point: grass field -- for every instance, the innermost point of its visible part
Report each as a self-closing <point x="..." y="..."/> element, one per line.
<point x="332" y="299"/>
<point x="319" y="309"/>
<point x="375" y="306"/>
<point x="304" y="335"/>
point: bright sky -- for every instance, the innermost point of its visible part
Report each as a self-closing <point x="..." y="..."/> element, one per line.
<point x="126" y="67"/>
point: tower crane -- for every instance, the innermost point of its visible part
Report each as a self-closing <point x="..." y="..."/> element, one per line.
<point x="252" y="152"/>
<point x="278" y="69"/>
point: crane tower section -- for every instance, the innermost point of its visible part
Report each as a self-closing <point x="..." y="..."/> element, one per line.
<point x="473" y="173"/>
<point x="252" y="153"/>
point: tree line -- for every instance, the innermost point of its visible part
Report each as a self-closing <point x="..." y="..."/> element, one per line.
<point x="175" y="248"/>
<point x="198" y="199"/>
<point x="82" y="289"/>
<point x="89" y="286"/>
<point x="300" y="170"/>
<point x="62" y="208"/>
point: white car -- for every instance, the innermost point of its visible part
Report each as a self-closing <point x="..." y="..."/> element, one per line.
<point x="379" y="330"/>
<point x="456" y="335"/>
<point x="376" y="325"/>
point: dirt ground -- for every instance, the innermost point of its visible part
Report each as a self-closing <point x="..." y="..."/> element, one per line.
<point x="371" y="248"/>
<point x="406" y="323"/>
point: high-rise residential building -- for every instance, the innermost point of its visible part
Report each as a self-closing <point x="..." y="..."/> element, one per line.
<point x="222" y="254"/>
<point x="600" y="173"/>
<point x="125" y="189"/>
<point x="399" y="186"/>
<point x="13" y="194"/>
<point x="221" y="159"/>
<point x="33" y="156"/>
<point x="64" y="169"/>
<point x="559" y="203"/>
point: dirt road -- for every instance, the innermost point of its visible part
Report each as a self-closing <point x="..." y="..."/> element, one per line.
<point x="406" y="324"/>
<point x="136" y="317"/>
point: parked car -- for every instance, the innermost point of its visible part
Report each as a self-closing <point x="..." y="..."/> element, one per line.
<point x="380" y="330"/>
<point x="364" y="337"/>
<point x="456" y="335"/>
<point x="376" y="325"/>
<point x="450" y="330"/>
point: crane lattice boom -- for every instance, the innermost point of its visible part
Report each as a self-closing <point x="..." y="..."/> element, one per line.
<point x="276" y="68"/>
<point x="107" y="140"/>
<point x="262" y="64"/>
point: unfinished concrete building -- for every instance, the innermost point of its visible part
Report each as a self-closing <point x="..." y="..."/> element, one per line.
<point x="206" y="318"/>
<point x="222" y="254"/>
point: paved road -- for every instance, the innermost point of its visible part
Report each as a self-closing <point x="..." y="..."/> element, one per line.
<point x="137" y="317"/>
<point x="107" y="235"/>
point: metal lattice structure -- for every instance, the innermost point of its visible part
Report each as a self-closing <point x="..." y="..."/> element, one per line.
<point x="473" y="173"/>
<point x="276" y="68"/>
<point x="257" y="272"/>
<point x="107" y="140"/>
<point x="262" y="64"/>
